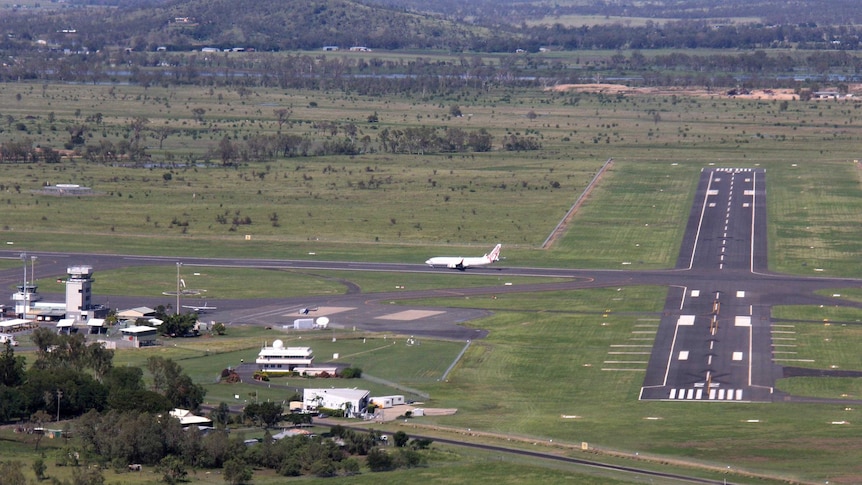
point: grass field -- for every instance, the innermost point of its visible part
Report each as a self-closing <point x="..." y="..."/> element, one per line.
<point x="383" y="207"/>
<point x="546" y="355"/>
<point x="209" y="284"/>
<point x="572" y="392"/>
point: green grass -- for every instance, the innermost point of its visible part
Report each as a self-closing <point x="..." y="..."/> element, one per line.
<point x="545" y="354"/>
<point x="428" y="201"/>
<point x="820" y="338"/>
<point x="852" y="294"/>
<point x="413" y="364"/>
<point x="536" y="368"/>
<point x="213" y="283"/>
<point x="630" y="299"/>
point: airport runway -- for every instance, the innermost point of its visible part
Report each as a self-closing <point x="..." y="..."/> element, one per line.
<point x="714" y="342"/>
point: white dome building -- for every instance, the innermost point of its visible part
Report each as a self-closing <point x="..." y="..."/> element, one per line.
<point x="279" y="358"/>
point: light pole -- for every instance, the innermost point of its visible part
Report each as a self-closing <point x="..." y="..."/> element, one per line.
<point x="178" y="287"/>
<point x="24" y="292"/>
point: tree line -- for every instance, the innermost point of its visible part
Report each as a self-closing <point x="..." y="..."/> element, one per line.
<point x="328" y="138"/>
<point x="70" y="377"/>
<point x="636" y="62"/>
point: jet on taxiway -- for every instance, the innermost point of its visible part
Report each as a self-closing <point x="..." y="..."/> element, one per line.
<point x="462" y="263"/>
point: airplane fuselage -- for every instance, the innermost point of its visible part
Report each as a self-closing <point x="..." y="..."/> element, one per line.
<point x="462" y="263"/>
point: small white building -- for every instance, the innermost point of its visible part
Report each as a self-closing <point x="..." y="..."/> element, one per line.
<point x="279" y="358"/>
<point x="387" y="402"/>
<point x="140" y="336"/>
<point x="354" y="402"/>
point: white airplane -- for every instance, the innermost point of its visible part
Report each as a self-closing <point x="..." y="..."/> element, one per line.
<point x="200" y="309"/>
<point x="461" y="263"/>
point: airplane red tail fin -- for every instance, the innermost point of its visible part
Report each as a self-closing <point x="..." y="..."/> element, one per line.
<point x="494" y="255"/>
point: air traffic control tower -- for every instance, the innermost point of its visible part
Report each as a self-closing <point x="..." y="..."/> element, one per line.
<point x="79" y="292"/>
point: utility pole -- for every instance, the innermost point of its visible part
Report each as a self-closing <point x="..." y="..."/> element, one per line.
<point x="59" y="395"/>
<point x="178" y="288"/>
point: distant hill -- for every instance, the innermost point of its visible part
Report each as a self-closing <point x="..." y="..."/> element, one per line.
<point x="263" y="25"/>
<point x="514" y="12"/>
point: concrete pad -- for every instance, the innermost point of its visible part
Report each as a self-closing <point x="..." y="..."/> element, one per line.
<point x="407" y="315"/>
<point x="332" y="310"/>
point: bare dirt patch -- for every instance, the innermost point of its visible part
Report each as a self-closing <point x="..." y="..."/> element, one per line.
<point x="770" y="94"/>
<point x="393" y="413"/>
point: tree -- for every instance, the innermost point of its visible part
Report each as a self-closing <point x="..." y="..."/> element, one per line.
<point x="350" y="467"/>
<point x="298" y="418"/>
<point x="400" y="438"/>
<point x="266" y="414"/>
<point x="227" y="151"/>
<point x="170" y="381"/>
<point x="124" y="378"/>
<point x="198" y="114"/>
<point x="38" y="419"/>
<point x="407" y="458"/>
<point x="100" y="360"/>
<point x="11" y="404"/>
<point x="39" y="467"/>
<point x="137" y="126"/>
<point x="162" y="133"/>
<point x="172" y="469"/>
<point x="11" y="367"/>
<point x="141" y="400"/>
<point x="421" y="443"/>
<point x="351" y="373"/>
<point x="283" y="115"/>
<point x="178" y="325"/>
<point x="237" y="472"/>
<point x="221" y="414"/>
<point x="378" y="460"/>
